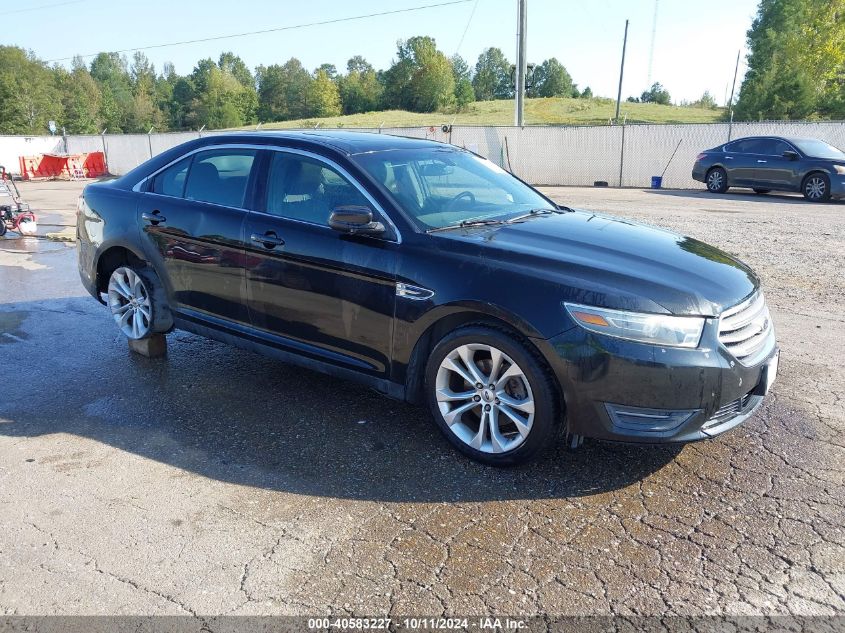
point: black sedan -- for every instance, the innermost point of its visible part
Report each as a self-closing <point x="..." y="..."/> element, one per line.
<point x="771" y="163"/>
<point x="430" y="274"/>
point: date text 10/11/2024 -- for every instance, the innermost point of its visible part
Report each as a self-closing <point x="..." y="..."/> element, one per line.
<point x="421" y="623"/>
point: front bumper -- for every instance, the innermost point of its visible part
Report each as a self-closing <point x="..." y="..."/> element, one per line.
<point x="624" y="391"/>
<point x="837" y="186"/>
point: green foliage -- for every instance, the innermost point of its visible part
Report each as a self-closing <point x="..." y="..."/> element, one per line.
<point x="283" y="91"/>
<point x="796" y="64"/>
<point x="656" y="94"/>
<point x="492" y="79"/>
<point x="464" y="94"/>
<point x="551" y="79"/>
<point x="29" y="97"/>
<point x="421" y="79"/>
<point x="324" y="96"/>
<point x="360" y="89"/>
<point x="704" y="101"/>
<point x="587" y="93"/>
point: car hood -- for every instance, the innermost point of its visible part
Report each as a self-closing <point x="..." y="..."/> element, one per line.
<point x="615" y="263"/>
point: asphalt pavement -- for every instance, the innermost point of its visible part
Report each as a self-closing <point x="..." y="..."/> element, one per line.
<point x="217" y="482"/>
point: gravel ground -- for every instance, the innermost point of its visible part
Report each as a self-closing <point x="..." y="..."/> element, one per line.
<point x="218" y="482"/>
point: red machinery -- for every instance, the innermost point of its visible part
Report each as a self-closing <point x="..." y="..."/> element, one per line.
<point x="16" y="215"/>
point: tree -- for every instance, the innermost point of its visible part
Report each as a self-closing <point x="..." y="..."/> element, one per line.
<point x="656" y="94"/>
<point x="464" y="94"/>
<point x="492" y="79"/>
<point x="587" y="93"/>
<point x="144" y="113"/>
<point x="360" y="89"/>
<point x="551" y="79"/>
<point x="283" y="91"/>
<point x="324" y="96"/>
<point x="80" y="99"/>
<point x="110" y="71"/>
<point x="796" y="61"/>
<point x="29" y="97"/>
<point x="420" y="79"/>
<point x="705" y="101"/>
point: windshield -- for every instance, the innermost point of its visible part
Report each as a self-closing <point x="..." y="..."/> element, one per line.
<point x="819" y="149"/>
<point x="441" y="187"/>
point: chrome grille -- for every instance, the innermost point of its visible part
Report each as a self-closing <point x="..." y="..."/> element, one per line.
<point x="746" y="330"/>
<point x="728" y="411"/>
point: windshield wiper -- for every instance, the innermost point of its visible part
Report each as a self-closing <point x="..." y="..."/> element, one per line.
<point x="536" y="212"/>
<point x="467" y="224"/>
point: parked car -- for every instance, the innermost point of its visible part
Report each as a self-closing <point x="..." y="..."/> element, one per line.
<point x="434" y="276"/>
<point x="773" y="163"/>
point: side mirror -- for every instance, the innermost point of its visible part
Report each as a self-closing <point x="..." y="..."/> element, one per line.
<point x="789" y="154"/>
<point x="354" y="219"/>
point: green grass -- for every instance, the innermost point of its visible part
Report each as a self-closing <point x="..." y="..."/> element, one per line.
<point x="552" y="111"/>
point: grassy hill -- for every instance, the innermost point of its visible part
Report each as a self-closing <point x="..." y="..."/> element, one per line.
<point x="552" y="111"/>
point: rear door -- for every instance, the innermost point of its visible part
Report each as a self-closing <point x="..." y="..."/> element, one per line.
<point x="323" y="294"/>
<point x="740" y="162"/>
<point x="192" y="218"/>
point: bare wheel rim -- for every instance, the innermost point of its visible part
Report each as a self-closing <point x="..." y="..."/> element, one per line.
<point x="129" y="302"/>
<point x="485" y="398"/>
<point x="714" y="180"/>
<point x="815" y="187"/>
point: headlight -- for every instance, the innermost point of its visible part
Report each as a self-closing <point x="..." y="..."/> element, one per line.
<point x="840" y="169"/>
<point x="657" y="329"/>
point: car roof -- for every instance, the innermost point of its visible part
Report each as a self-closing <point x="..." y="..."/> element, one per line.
<point x="789" y="139"/>
<point x="345" y="141"/>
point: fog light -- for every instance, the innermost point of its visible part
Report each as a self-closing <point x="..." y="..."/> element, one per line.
<point x="640" y="420"/>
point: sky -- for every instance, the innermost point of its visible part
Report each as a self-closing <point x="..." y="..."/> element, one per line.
<point x="695" y="46"/>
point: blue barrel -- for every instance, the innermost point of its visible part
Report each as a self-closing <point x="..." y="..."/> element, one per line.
<point x="656" y="182"/>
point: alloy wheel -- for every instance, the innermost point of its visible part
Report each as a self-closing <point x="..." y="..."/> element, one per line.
<point x="714" y="180"/>
<point x="485" y="398"/>
<point x="815" y="188"/>
<point x="130" y="304"/>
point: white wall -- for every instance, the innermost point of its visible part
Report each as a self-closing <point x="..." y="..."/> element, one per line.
<point x="547" y="155"/>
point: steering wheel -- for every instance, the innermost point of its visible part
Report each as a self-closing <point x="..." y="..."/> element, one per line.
<point x="469" y="195"/>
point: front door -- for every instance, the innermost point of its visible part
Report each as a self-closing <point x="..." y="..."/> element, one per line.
<point x="321" y="293"/>
<point x="192" y="218"/>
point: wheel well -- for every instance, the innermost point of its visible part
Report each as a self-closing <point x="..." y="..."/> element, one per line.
<point x="815" y="171"/>
<point x="111" y="260"/>
<point x="415" y="376"/>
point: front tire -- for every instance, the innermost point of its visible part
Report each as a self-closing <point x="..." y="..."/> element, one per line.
<point x="136" y="300"/>
<point x="717" y="180"/>
<point x="816" y="187"/>
<point x="491" y="396"/>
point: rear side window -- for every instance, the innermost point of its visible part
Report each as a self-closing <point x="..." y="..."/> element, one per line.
<point x="220" y="176"/>
<point x="171" y="181"/>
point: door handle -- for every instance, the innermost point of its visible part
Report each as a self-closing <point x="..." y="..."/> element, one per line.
<point x="269" y="240"/>
<point x="729" y="157"/>
<point x="155" y="218"/>
<point x="762" y="161"/>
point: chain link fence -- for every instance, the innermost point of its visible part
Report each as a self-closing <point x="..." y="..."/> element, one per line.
<point x="622" y="156"/>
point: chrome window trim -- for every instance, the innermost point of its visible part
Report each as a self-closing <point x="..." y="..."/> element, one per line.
<point x="138" y="187"/>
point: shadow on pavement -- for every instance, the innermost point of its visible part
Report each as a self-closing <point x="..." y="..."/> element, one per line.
<point x="237" y="417"/>
<point x="741" y="194"/>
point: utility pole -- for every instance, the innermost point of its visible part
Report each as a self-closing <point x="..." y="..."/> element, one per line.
<point x="521" y="62"/>
<point x="621" y="71"/>
<point x="731" y="102"/>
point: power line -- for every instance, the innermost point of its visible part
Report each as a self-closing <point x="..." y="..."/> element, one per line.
<point x="466" y="28"/>
<point x="43" y="6"/>
<point x="274" y="30"/>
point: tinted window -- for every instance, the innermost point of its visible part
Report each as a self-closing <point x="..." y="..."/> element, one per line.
<point x="220" y="176"/>
<point x="171" y="181"/>
<point x="303" y="188"/>
<point x="820" y="149"/>
<point x="757" y="146"/>
<point x="441" y="187"/>
<point x="780" y="147"/>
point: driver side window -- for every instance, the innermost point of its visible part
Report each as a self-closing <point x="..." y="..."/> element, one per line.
<point x="305" y="189"/>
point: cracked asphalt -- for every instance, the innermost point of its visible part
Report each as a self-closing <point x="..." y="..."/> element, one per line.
<point x="218" y="482"/>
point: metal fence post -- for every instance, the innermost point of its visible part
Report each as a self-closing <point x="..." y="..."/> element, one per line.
<point x="622" y="153"/>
